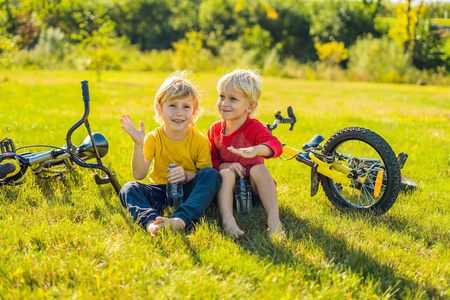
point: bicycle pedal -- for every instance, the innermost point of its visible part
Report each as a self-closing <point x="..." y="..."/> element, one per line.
<point x="7" y="145"/>
<point x="314" y="182"/>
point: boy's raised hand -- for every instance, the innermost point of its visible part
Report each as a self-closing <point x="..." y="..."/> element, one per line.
<point x="127" y="125"/>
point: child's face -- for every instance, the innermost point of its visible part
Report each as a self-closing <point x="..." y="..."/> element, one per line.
<point x="177" y="114"/>
<point x="233" y="105"/>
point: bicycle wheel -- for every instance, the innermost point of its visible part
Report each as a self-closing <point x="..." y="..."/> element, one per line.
<point x="11" y="170"/>
<point x="376" y="174"/>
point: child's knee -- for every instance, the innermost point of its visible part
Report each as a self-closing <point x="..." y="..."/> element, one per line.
<point x="227" y="175"/>
<point x="125" y="191"/>
<point x="259" y="170"/>
<point x="130" y="185"/>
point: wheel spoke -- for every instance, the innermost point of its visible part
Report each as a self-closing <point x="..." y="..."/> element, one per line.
<point x="364" y="159"/>
<point x="372" y="186"/>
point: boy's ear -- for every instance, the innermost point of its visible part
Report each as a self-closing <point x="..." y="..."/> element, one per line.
<point x="252" y="107"/>
<point x="158" y="109"/>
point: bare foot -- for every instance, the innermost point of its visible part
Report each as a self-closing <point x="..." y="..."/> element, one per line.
<point x="152" y="228"/>
<point x="232" y="229"/>
<point x="161" y="223"/>
<point x="174" y="223"/>
<point x="276" y="229"/>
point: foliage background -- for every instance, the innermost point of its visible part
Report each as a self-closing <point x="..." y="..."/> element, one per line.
<point x="288" y="38"/>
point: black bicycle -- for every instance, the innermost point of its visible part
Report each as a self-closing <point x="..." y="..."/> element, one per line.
<point x="54" y="163"/>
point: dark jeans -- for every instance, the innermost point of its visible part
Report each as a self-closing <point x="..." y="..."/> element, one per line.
<point x="145" y="202"/>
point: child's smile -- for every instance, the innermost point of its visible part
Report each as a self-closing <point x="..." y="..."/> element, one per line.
<point x="177" y="115"/>
<point x="177" y="121"/>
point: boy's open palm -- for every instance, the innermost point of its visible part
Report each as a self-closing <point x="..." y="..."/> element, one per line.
<point x="249" y="152"/>
<point x="137" y="135"/>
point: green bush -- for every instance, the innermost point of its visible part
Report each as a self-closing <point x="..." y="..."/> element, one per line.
<point x="52" y="42"/>
<point x="429" y="47"/>
<point x="190" y="54"/>
<point x="379" y="60"/>
<point x="231" y="56"/>
<point x="272" y="62"/>
<point x="150" y="61"/>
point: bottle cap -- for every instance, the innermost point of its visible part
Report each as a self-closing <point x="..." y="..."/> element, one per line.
<point x="172" y="165"/>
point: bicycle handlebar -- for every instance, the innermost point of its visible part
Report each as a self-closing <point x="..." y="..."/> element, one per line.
<point x="85" y="92"/>
<point x="291" y="119"/>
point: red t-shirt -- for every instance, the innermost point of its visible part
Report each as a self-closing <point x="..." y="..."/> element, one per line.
<point x="251" y="133"/>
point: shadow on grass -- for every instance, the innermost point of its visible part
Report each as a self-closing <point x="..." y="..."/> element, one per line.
<point x="334" y="247"/>
<point x="429" y="236"/>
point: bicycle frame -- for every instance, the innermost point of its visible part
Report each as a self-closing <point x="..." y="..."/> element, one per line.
<point x="94" y="146"/>
<point x="311" y="155"/>
<point x="338" y="172"/>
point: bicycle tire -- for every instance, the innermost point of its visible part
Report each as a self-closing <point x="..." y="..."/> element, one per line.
<point x="358" y="197"/>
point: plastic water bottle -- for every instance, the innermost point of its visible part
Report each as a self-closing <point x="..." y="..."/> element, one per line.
<point x="243" y="197"/>
<point x="174" y="191"/>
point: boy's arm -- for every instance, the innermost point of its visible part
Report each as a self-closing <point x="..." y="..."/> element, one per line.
<point x="139" y="164"/>
<point x="250" y="152"/>
<point x="215" y="158"/>
<point x="264" y="137"/>
<point x="266" y="145"/>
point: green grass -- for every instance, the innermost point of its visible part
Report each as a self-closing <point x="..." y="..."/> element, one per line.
<point x="70" y="239"/>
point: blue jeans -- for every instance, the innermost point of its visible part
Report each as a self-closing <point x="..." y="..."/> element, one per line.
<point x="145" y="202"/>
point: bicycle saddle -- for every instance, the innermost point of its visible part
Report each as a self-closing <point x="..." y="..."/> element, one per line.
<point x="314" y="142"/>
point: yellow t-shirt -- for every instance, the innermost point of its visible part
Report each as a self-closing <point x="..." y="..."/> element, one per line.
<point x="192" y="153"/>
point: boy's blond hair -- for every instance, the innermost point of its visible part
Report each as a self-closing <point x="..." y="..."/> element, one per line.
<point x="177" y="86"/>
<point x="245" y="81"/>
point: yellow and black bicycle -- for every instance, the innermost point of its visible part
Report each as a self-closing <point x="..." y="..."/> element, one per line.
<point x="356" y="167"/>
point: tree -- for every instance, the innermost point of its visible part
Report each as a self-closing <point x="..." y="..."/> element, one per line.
<point x="97" y="39"/>
<point x="417" y="35"/>
<point x="145" y="23"/>
<point x="340" y="21"/>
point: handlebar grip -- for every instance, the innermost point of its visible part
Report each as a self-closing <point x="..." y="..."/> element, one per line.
<point x="85" y="90"/>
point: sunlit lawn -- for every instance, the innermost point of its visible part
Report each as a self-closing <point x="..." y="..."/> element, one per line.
<point x="73" y="240"/>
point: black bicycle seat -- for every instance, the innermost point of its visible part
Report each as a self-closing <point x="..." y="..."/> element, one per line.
<point x="314" y="142"/>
